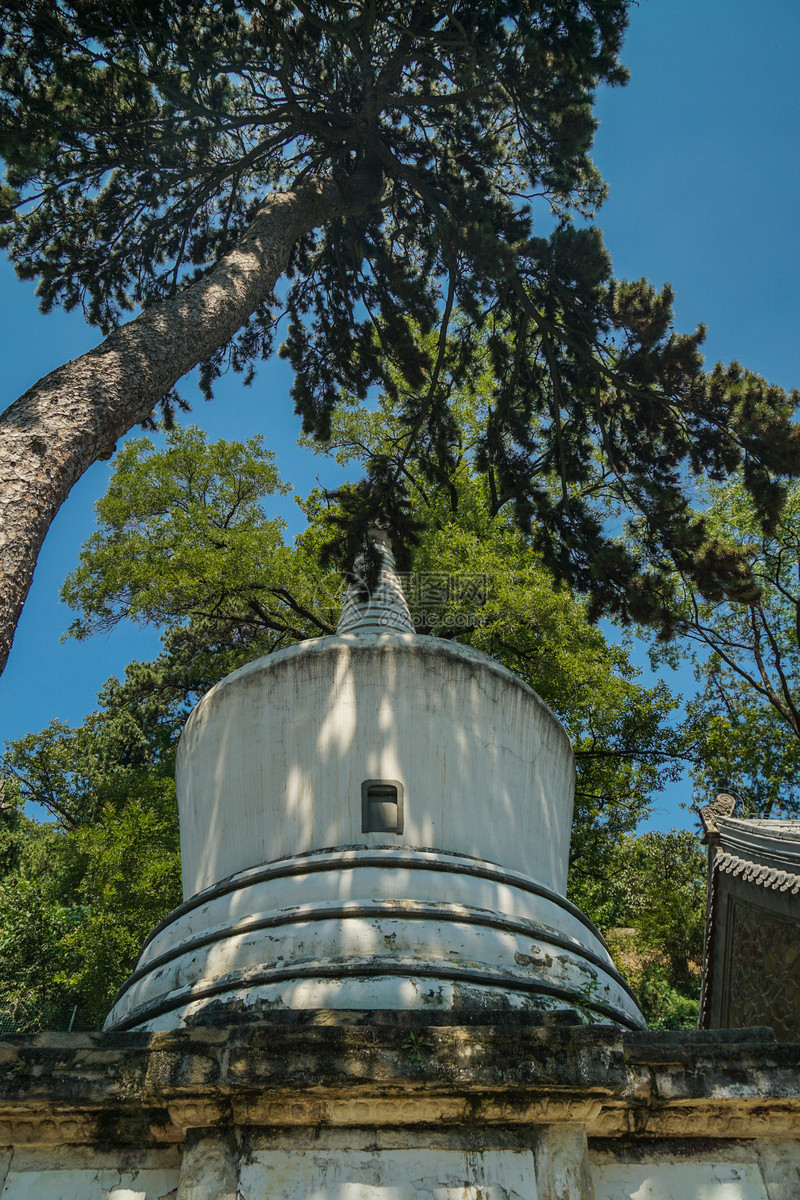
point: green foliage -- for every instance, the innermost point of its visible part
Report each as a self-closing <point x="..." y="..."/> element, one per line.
<point x="664" y="1006"/>
<point x="745" y="722"/>
<point x="183" y="532"/>
<point x="130" y="880"/>
<point x="74" y="773"/>
<point x="742" y="745"/>
<point x="149" y="134"/>
<point x="180" y="529"/>
<point x="78" y="894"/>
<point x="140" y="142"/>
<point x="664" y="882"/>
<point x="77" y="904"/>
<point x="416" y="1046"/>
<point x="36" y="962"/>
<point x="37" y="917"/>
<point x="651" y="905"/>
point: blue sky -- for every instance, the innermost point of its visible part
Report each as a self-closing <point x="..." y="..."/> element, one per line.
<point x="701" y="152"/>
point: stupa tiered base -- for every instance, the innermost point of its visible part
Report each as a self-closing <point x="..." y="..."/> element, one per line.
<point x="320" y="930"/>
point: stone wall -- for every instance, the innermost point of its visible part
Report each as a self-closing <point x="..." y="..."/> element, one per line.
<point x="343" y="1106"/>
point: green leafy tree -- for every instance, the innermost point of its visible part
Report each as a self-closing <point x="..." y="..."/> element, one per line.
<point x="37" y="916"/>
<point x="78" y="897"/>
<point x="130" y="880"/>
<point x="393" y="161"/>
<point x="184" y="530"/>
<point x="744" y="723"/>
<point x="74" y="773"/>
<point x="664" y="876"/>
<point x="80" y="890"/>
<point x="652" y="906"/>
<point x="35" y="957"/>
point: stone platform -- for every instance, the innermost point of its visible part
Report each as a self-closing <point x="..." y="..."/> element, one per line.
<point x="397" y="1106"/>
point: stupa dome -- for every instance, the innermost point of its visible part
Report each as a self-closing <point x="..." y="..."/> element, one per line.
<point x="373" y="820"/>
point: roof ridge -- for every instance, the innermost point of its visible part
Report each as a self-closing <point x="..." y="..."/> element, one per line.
<point x="752" y="872"/>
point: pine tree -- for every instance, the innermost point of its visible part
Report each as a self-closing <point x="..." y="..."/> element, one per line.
<point x="392" y="161"/>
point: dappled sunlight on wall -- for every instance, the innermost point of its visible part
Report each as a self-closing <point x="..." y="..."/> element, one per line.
<point x="272" y="760"/>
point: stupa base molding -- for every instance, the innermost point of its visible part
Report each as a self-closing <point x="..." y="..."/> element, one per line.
<point x="377" y="928"/>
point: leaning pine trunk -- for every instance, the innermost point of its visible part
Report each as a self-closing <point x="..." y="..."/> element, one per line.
<point x="75" y="415"/>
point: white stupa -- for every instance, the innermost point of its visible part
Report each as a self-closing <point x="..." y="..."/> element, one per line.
<point x="373" y="820"/>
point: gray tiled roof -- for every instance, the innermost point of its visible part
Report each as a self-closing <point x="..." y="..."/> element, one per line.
<point x="751" y="872"/>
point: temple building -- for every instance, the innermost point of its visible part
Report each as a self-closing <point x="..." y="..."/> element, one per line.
<point x="752" y="958"/>
<point x="375" y="987"/>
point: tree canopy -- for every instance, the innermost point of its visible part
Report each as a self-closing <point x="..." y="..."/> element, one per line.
<point x="394" y="161"/>
<point x="77" y="903"/>
<point x="652" y="906"/>
<point x="745" y="721"/>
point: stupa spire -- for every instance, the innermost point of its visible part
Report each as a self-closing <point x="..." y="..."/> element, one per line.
<point x="383" y="608"/>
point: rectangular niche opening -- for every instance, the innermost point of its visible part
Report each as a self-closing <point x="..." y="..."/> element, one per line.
<point x="381" y="806"/>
